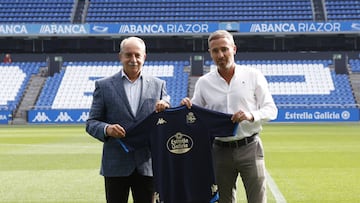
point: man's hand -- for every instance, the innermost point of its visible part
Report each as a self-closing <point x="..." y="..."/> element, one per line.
<point x="241" y="116"/>
<point x="186" y="101"/>
<point x="115" y="130"/>
<point x="161" y="106"/>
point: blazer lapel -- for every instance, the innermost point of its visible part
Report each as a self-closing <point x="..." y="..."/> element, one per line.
<point x="144" y="90"/>
<point x="118" y="85"/>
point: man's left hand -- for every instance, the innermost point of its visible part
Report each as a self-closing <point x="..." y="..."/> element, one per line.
<point x="161" y="106"/>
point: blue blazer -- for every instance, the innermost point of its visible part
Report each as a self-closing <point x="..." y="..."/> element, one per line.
<point x="111" y="106"/>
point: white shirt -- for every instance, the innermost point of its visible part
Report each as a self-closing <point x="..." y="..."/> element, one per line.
<point x="247" y="91"/>
<point x="133" y="91"/>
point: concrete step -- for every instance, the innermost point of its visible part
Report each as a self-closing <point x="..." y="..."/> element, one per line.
<point x="19" y="121"/>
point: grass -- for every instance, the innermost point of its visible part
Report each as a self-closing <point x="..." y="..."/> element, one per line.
<point x="314" y="162"/>
<point x="49" y="164"/>
<point x="308" y="162"/>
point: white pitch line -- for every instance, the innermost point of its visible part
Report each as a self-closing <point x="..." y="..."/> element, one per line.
<point x="279" y="197"/>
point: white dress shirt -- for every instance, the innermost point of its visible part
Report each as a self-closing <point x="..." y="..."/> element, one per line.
<point x="247" y="91"/>
<point x="133" y="91"/>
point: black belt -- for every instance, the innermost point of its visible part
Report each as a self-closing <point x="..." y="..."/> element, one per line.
<point x="236" y="143"/>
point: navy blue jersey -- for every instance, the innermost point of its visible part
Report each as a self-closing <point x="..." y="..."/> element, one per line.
<point x="181" y="140"/>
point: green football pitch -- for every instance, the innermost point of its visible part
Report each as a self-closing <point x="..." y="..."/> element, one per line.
<point x="306" y="163"/>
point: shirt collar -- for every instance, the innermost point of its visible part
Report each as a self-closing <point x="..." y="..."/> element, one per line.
<point x="236" y="71"/>
<point x="124" y="76"/>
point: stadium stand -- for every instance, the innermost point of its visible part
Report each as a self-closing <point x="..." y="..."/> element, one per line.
<point x="72" y="88"/>
<point x="304" y="83"/>
<point x="355" y="65"/>
<point x="190" y="11"/>
<point x="114" y="11"/>
<point x="294" y="83"/>
<point x="13" y="80"/>
<point x="342" y="10"/>
<point x="35" y="11"/>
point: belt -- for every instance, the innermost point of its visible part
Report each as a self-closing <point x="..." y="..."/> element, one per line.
<point x="236" y="143"/>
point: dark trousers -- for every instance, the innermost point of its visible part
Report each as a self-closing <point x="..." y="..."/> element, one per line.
<point x="117" y="188"/>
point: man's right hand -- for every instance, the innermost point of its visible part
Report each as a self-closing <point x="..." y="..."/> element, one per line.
<point x="115" y="130"/>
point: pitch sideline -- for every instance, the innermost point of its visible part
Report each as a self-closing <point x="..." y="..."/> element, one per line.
<point x="279" y="197"/>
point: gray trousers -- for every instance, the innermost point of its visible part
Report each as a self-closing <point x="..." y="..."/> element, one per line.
<point x="246" y="161"/>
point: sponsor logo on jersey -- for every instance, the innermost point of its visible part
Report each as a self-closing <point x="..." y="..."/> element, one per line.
<point x="179" y="143"/>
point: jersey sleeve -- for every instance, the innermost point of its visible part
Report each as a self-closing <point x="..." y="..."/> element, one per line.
<point x="138" y="135"/>
<point x="219" y="124"/>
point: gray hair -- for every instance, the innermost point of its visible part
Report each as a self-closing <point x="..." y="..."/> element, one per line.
<point x="131" y="39"/>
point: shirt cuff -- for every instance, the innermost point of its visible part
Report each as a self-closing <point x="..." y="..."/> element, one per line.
<point x="255" y="116"/>
<point x="105" y="135"/>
